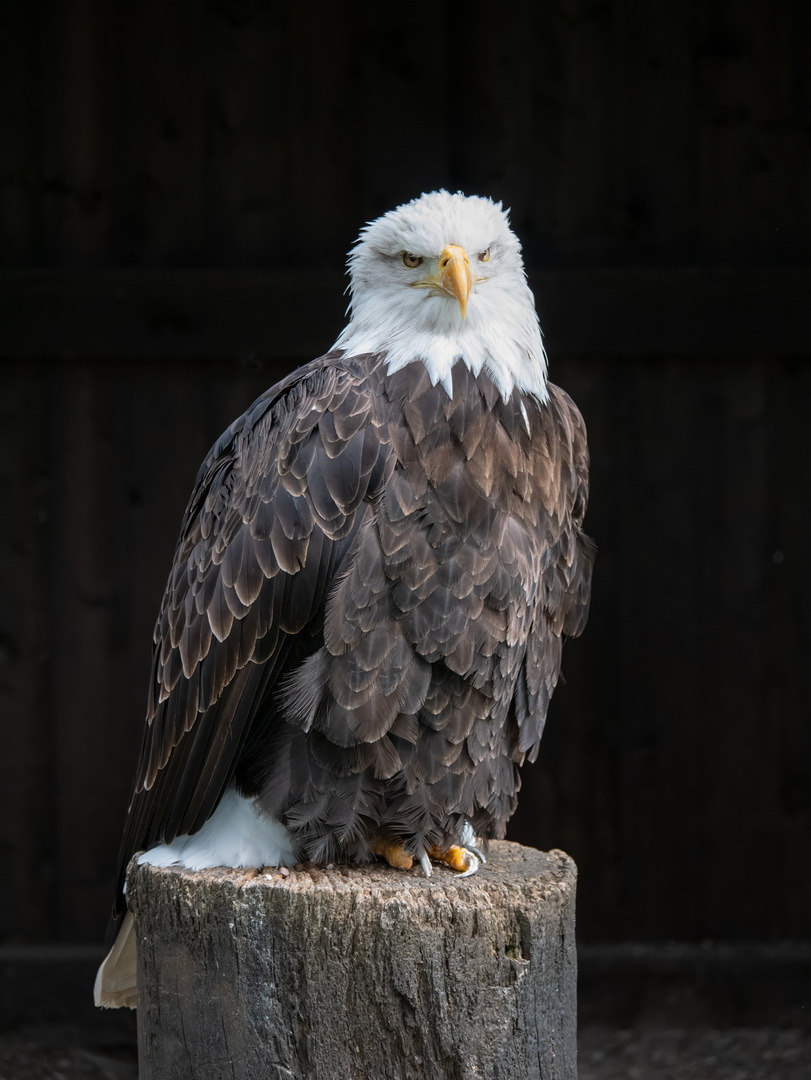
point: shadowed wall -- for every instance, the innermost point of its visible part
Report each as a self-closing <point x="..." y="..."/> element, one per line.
<point x="180" y="187"/>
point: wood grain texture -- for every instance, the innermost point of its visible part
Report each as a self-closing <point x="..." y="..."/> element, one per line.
<point x="363" y="972"/>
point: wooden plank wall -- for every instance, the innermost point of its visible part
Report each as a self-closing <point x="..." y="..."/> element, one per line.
<point x="245" y="132"/>
<point x="160" y="162"/>
<point x="676" y="763"/>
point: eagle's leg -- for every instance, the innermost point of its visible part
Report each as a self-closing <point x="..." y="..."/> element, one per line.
<point x="393" y="852"/>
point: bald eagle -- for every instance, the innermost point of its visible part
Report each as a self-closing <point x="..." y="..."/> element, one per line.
<point x="363" y="622"/>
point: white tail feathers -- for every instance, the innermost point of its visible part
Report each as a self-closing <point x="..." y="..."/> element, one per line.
<point x="238" y="835"/>
<point x="116" y="978"/>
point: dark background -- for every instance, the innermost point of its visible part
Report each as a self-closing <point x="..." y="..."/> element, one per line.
<point x="180" y="185"/>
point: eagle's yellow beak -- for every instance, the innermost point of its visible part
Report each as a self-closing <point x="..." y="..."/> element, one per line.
<point x="454" y="274"/>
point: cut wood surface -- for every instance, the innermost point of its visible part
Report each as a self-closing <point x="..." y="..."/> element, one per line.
<point x="362" y="972"/>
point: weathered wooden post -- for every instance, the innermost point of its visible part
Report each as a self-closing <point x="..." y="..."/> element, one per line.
<point x="358" y="972"/>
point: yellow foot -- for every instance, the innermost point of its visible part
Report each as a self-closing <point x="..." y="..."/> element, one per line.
<point x="392" y="851"/>
<point x="461" y="859"/>
<point x="464" y="857"/>
<point x="457" y="858"/>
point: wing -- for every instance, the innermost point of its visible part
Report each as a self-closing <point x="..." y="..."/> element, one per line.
<point x="563" y="605"/>
<point x="276" y="505"/>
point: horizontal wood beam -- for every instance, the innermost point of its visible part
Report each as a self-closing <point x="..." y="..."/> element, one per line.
<point x="223" y="313"/>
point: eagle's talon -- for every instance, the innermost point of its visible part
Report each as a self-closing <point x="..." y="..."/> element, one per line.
<point x="425" y="863"/>
<point x="473" y="863"/>
<point x="467" y="839"/>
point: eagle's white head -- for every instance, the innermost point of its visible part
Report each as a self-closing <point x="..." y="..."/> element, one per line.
<point x="439" y="279"/>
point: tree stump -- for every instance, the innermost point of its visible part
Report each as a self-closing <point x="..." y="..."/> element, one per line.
<point x="358" y="972"/>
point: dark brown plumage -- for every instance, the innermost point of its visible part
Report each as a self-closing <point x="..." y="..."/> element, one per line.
<point x="363" y="623"/>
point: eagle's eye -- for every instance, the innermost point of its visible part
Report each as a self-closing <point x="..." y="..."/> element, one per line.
<point x="484" y="256"/>
<point x="411" y="261"/>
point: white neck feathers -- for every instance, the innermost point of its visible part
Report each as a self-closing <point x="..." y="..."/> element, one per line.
<point x="500" y="336"/>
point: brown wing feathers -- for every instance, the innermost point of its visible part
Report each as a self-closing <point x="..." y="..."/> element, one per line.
<point x="363" y="623"/>
<point x="568" y="556"/>
<point x="259" y="549"/>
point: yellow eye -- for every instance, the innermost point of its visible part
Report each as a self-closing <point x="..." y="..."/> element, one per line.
<point x="484" y="256"/>
<point x="411" y="261"/>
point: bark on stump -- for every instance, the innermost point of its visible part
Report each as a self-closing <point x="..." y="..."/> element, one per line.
<point x="358" y="972"/>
